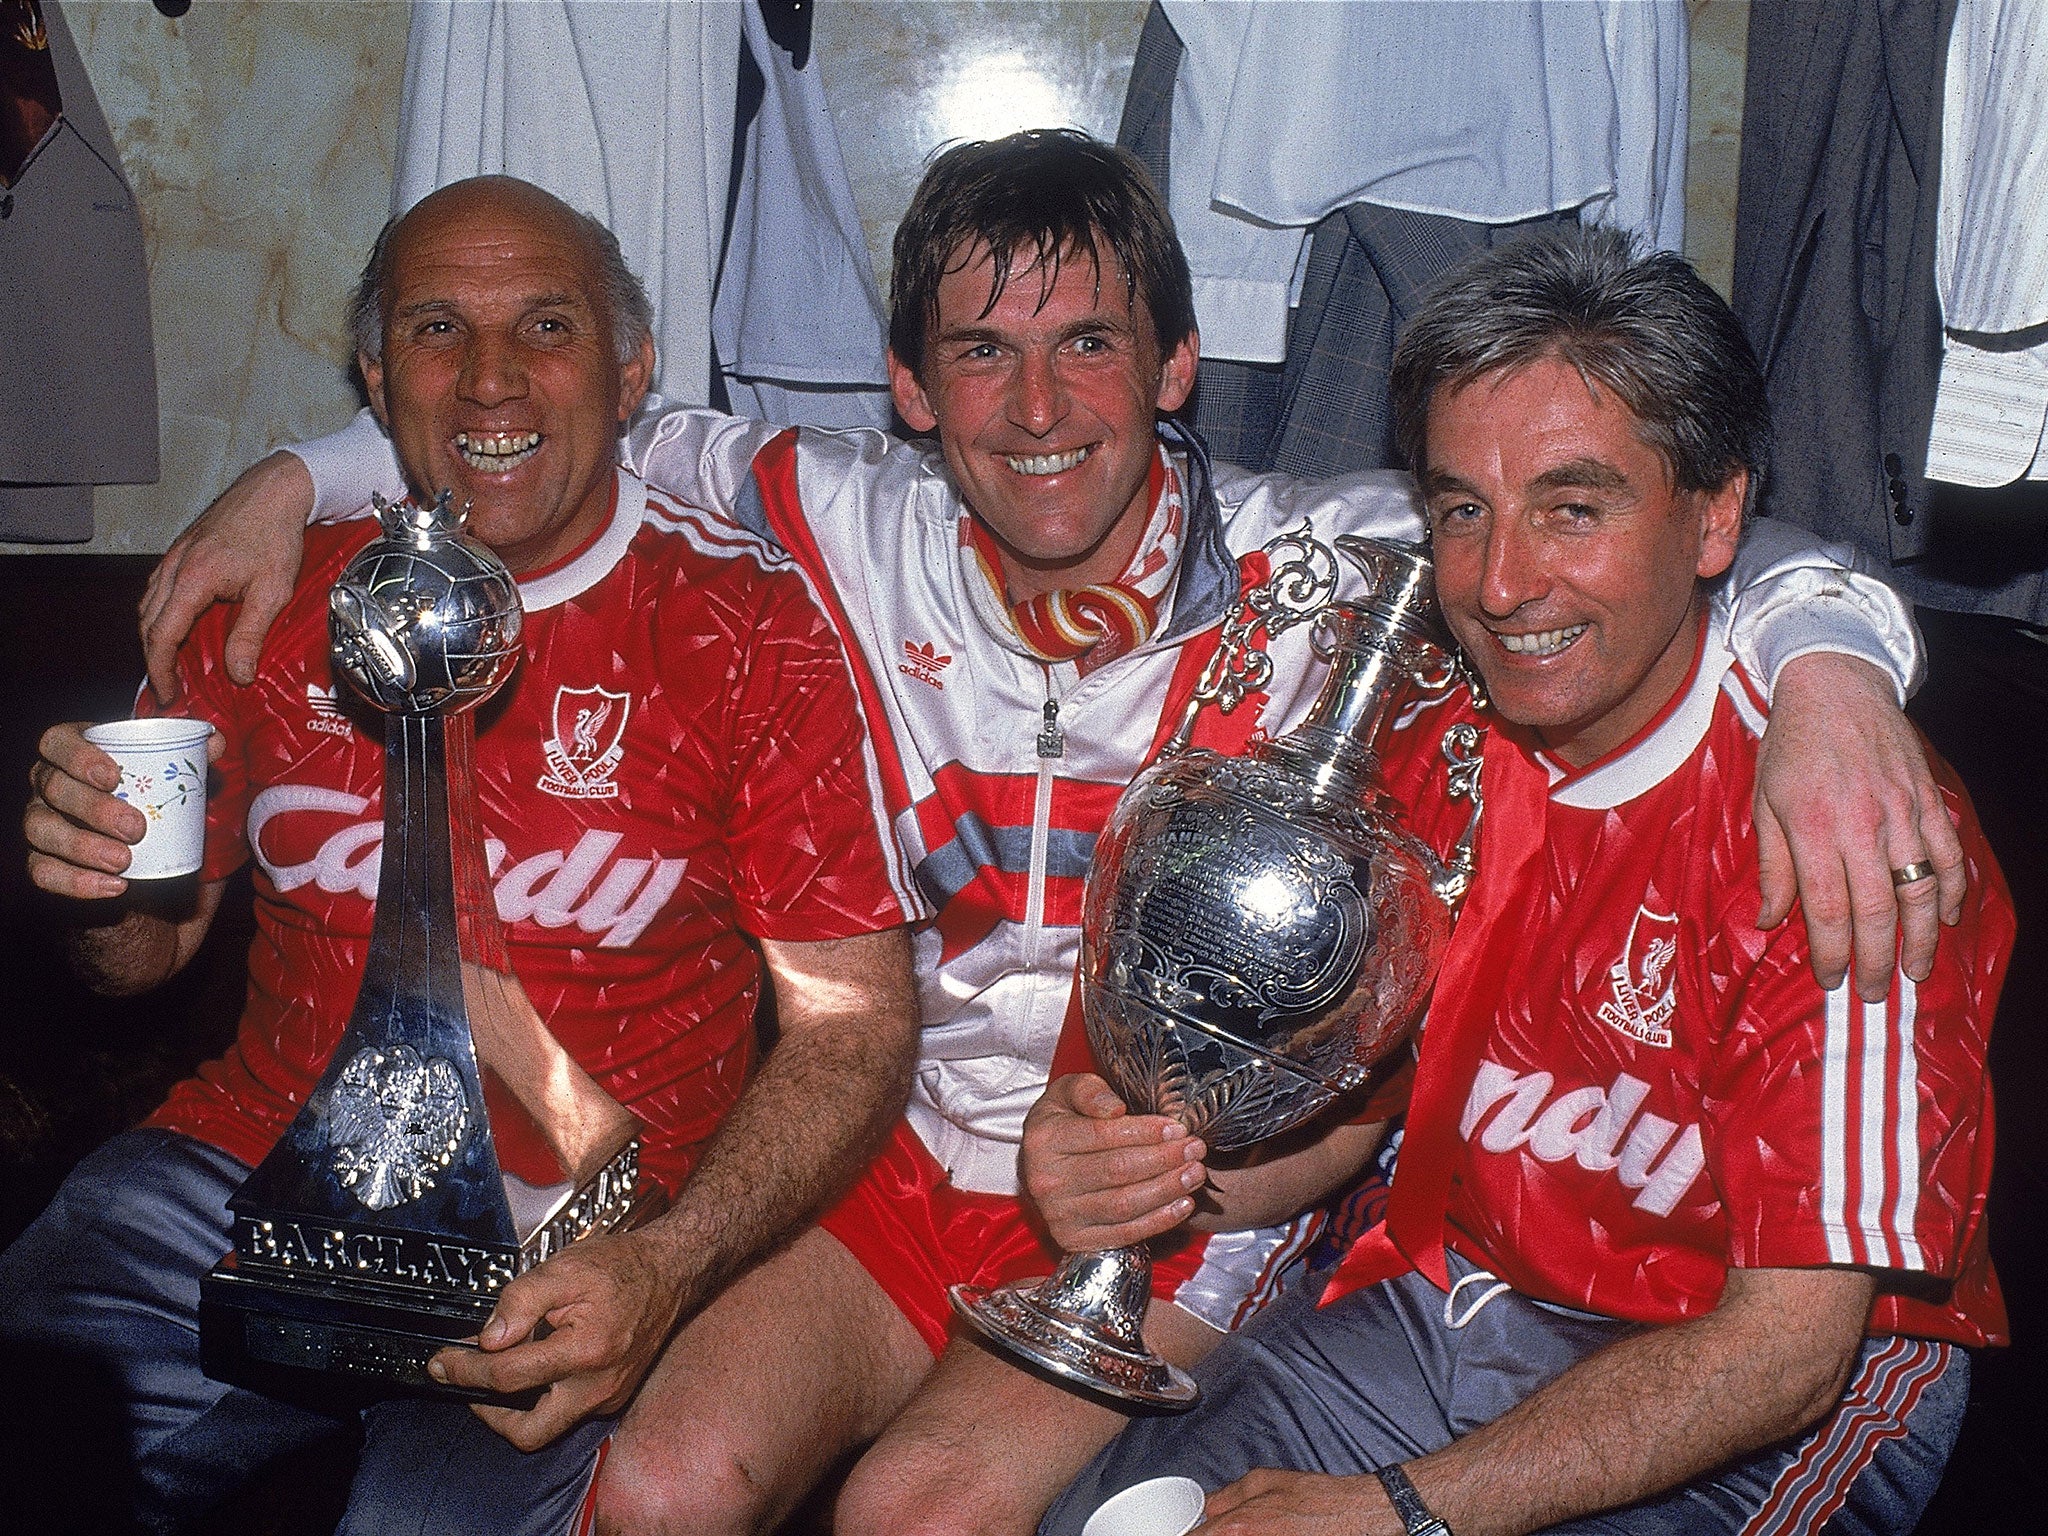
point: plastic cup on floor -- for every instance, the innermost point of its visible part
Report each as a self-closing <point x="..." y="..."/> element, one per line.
<point x="1161" y="1506"/>
<point x="163" y="775"/>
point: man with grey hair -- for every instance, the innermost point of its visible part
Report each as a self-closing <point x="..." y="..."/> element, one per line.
<point x="674" y="795"/>
<point x="1674" y="1228"/>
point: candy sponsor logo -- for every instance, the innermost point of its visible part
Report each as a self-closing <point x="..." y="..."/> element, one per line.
<point x="1603" y="1130"/>
<point x="588" y="885"/>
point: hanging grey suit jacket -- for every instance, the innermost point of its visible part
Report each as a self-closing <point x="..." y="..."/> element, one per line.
<point x="77" y="364"/>
<point x="1835" y="228"/>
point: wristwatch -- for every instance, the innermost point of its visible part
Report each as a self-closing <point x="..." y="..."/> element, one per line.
<point x="1408" y="1504"/>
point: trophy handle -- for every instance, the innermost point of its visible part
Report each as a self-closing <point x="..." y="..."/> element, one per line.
<point x="1453" y="876"/>
<point x="1082" y="1323"/>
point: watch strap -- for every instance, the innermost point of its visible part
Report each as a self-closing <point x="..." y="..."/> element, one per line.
<point x="1408" y="1504"/>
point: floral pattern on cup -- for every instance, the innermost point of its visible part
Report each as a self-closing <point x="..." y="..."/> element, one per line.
<point x="181" y="779"/>
<point x="163" y="775"/>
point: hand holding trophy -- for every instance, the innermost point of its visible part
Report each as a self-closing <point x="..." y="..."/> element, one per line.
<point x="1258" y="934"/>
<point x="452" y="1143"/>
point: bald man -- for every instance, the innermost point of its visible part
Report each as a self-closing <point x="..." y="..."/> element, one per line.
<point x="503" y="342"/>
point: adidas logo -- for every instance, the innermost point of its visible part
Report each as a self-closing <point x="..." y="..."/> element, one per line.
<point x="326" y="713"/>
<point x="924" y="662"/>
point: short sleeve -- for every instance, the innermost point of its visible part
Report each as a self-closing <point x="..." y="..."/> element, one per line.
<point x="805" y="832"/>
<point x="1846" y="1132"/>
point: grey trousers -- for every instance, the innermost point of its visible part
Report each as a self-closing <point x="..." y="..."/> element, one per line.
<point x="1398" y="1370"/>
<point x="108" y="1423"/>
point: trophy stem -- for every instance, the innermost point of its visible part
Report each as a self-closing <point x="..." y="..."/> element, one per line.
<point x="1083" y="1324"/>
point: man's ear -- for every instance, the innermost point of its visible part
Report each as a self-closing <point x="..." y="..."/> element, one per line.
<point x="1177" y="375"/>
<point x="372" y="371"/>
<point x="635" y="375"/>
<point x="909" y="396"/>
<point x="1720" y="514"/>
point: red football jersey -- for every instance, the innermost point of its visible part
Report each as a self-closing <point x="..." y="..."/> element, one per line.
<point x="1649" y="1091"/>
<point x="677" y="759"/>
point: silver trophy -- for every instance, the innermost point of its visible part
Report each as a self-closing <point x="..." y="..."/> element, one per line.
<point x="451" y="1143"/>
<point x="1259" y="933"/>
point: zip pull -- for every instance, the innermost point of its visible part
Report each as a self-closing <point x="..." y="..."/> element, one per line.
<point x="1052" y="741"/>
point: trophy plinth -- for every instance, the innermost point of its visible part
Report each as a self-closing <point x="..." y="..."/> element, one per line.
<point x="389" y="1216"/>
<point x="1258" y="935"/>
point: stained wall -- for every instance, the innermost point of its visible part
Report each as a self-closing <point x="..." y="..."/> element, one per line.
<point x="258" y="137"/>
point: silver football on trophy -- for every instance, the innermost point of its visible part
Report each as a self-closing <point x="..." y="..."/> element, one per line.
<point x="1259" y="934"/>
<point x="424" y="618"/>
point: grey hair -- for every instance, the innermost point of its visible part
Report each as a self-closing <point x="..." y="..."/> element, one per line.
<point x="625" y="300"/>
<point x="1642" y="325"/>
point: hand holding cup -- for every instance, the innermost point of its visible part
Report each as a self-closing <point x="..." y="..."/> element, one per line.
<point x="118" y="802"/>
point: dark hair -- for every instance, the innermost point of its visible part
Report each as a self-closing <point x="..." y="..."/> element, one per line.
<point x="632" y="316"/>
<point x="1644" y="326"/>
<point x="1046" y="194"/>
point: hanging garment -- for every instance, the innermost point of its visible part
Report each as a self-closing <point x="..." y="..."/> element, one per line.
<point x="1284" y="114"/>
<point x="1307" y="265"/>
<point x="1991" y="259"/>
<point x="622" y="110"/>
<point x="1835" y="235"/>
<point x="798" y="324"/>
<point x="77" y="361"/>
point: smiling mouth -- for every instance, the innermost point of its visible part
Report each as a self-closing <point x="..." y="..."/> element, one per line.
<point x="1545" y="642"/>
<point x="496" y="452"/>
<point x="1046" y="463"/>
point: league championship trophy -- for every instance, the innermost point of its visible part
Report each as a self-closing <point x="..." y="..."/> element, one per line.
<point x="1258" y="932"/>
<point x="451" y="1143"/>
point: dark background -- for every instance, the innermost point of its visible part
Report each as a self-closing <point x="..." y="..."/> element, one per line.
<point x="75" y="1068"/>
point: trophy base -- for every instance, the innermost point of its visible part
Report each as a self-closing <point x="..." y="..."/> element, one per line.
<point x="259" y="1332"/>
<point x="1072" y="1348"/>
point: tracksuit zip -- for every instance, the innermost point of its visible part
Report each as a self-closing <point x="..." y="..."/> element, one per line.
<point x="1051" y="748"/>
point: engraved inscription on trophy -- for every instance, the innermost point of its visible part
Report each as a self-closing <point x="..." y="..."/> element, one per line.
<point x="452" y="1143"/>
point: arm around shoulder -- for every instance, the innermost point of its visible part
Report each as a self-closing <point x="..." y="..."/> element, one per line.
<point x="245" y="548"/>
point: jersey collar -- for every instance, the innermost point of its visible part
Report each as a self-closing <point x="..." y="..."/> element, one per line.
<point x="572" y="577"/>
<point x="1660" y="748"/>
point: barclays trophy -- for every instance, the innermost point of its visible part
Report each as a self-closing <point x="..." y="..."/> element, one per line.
<point x="1258" y="932"/>
<point x="451" y="1143"/>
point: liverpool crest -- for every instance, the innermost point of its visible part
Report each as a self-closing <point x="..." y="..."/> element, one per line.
<point x="1643" y="993"/>
<point x="587" y="745"/>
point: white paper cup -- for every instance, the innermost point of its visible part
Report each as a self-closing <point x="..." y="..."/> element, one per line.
<point x="163" y="775"/>
<point x="1161" y="1506"/>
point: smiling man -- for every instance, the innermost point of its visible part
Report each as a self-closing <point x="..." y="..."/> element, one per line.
<point x="674" y="795"/>
<point x="1679" y="1241"/>
<point x="1029" y="601"/>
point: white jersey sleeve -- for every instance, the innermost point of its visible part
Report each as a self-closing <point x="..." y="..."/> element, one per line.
<point x="1787" y="596"/>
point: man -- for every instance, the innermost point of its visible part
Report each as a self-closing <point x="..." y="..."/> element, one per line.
<point x="722" y="803"/>
<point x="1029" y="605"/>
<point x="1710" y="1234"/>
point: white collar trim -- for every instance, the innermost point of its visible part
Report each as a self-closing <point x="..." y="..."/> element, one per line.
<point x="596" y="562"/>
<point x="1655" y="757"/>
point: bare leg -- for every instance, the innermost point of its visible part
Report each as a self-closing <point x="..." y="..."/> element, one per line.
<point x="799" y="1360"/>
<point x="985" y="1446"/>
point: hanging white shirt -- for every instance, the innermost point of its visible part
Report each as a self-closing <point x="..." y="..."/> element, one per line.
<point x="1492" y="113"/>
<point x="1991" y="253"/>
<point x="624" y="111"/>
